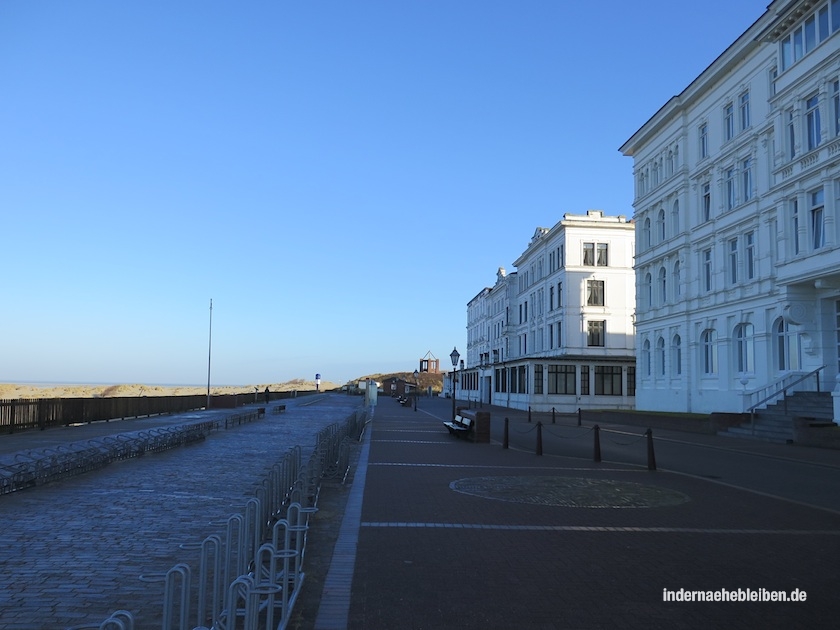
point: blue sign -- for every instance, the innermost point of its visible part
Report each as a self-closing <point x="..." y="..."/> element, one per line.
<point x="317" y="377"/>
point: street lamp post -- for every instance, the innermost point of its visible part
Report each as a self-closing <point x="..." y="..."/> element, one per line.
<point x="416" y="390"/>
<point x="454" y="355"/>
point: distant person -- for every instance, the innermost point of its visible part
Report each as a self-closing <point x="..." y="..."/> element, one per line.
<point x="267" y="395"/>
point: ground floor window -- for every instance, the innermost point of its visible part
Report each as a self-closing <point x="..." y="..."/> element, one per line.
<point x="631" y="380"/>
<point x="538" y="378"/>
<point x="561" y="379"/>
<point x="501" y="380"/>
<point x="608" y="380"/>
<point x="584" y="380"/>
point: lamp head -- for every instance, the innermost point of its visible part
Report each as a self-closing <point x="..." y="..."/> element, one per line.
<point x="454" y="355"/>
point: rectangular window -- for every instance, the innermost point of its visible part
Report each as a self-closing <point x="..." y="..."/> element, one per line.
<point x="746" y="179"/>
<point x="560" y="334"/>
<point x="787" y="53"/>
<point x="749" y="247"/>
<point x="822" y="18"/>
<point x="835" y="15"/>
<point x="523" y="379"/>
<point x="551" y="336"/>
<point x="584" y="380"/>
<point x="794" y="214"/>
<point x="561" y="379"/>
<point x="733" y="261"/>
<point x="704" y="140"/>
<point x="790" y="135"/>
<point x="709" y="340"/>
<point x="594" y="292"/>
<point x="728" y="121"/>
<point x="559" y="295"/>
<point x="538" y="378"/>
<point x="551" y="298"/>
<point x="729" y="183"/>
<point x="707" y="269"/>
<point x="707" y="201"/>
<point x="608" y="380"/>
<point x="744" y="110"/>
<point x="810" y="34"/>
<point x="817" y="219"/>
<point x="595" y="332"/>
<point x="812" y="121"/>
<point x="798" y="46"/>
<point x="589" y="254"/>
<point x="631" y="380"/>
<point x="603" y="258"/>
<point x="514" y="383"/>
<point x="835" y="107"/>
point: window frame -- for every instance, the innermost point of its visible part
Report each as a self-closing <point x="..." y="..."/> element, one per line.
<point x="596" y="331"/>
<point x="595" y="292"/>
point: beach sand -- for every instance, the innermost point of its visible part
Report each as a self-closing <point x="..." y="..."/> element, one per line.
<point x="24" y="390"/>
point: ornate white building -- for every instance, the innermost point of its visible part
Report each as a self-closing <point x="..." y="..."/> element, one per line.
<point x="558" y="332"/>
<point x="737" y="194"/>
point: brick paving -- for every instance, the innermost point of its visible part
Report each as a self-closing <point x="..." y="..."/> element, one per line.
<point x="74" y="550"/>
<point x="428" y="556"/>
<point x="430" y="531"/>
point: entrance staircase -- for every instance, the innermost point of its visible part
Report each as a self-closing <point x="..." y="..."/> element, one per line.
<point x="775" y="422"/>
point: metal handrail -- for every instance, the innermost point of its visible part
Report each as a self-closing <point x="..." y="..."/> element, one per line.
<point x="783" y="390"/>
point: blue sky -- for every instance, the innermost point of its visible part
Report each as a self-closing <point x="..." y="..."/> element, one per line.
<point x="340" y="178"/>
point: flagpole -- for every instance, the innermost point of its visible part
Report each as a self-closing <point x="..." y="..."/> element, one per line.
<point x="209" y="349"/>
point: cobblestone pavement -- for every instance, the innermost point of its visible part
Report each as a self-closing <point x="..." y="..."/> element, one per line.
<point x="73" y="550"/>
<point x="452" y="534"/>
<point x="435" y="532"/>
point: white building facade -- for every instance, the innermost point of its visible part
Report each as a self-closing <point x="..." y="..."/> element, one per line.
<point x="558" y="332"/>
<point x="737" y="195"/>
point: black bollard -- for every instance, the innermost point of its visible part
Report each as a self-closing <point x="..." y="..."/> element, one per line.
<point x="651" y="456"/>
<point x="505" y="441"/>
<point x="539" y="438"/>
<point x="529" y="414"/>
<point x="552" y="415"/>
<point x="578" y="416"/>
<point x="597" y="443"/>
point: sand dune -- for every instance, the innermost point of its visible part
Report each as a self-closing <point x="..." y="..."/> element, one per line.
<point x="14" y="391"/>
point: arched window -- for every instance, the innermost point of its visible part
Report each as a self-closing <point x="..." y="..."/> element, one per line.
<point x="646" y="242"/>
<point x="677" y="281"/>
<point x="660" y="357"/>
<point x="676" y="356"/>
<point x="675" y="218"/>
<point x="660" y="226"/>
<point x="708" y="340"/>
<point x="647" y="291"/>
<point x="744" y="352"/>
<point x="646" y="357"/>
<point x="662" y="283"/>
<point x="786" y="347"/>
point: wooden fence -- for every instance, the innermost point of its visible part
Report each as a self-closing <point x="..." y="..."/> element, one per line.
<point x="43" y="413"/>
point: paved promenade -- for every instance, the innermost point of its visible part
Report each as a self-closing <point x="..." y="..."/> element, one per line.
<point x="435" y="532"/>
<point x="73" y="551"/>
<point x="450" y="534"/>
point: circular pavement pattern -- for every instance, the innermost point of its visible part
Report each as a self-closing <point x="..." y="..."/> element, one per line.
<point x="577" y="492"/>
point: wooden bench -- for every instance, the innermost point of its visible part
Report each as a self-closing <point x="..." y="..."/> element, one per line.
<point x="278" y="409"/>
<point x="460" y="426"/>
